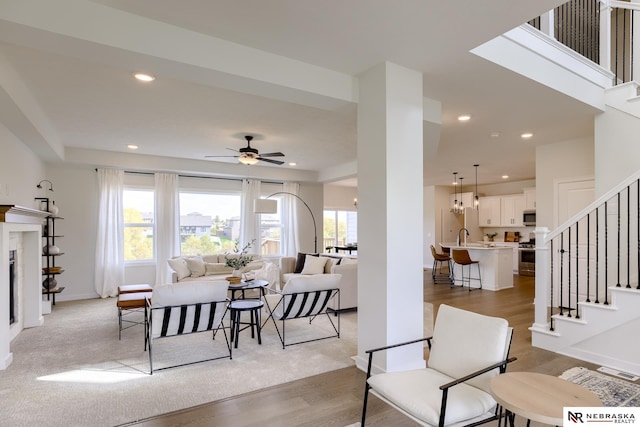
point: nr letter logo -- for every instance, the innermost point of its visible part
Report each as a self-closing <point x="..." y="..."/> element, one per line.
<point x="575" y="417"/>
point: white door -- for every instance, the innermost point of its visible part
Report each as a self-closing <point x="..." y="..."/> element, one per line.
<point x="573" y="196"/>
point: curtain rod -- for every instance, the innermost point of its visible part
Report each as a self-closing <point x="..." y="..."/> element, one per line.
<point x="201" y="176"/>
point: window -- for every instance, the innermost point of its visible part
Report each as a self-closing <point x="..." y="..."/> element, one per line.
<point x="271" y="231"/>
<point x="139" y="224"/>
<point x="340" y="227"/>
<point x="209" y="222"/>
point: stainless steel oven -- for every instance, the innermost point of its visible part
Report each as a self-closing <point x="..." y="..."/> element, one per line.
<point x="527" y="259"/>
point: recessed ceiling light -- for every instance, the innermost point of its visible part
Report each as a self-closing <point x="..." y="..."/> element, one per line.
<point x="464" y="118"/>
<point x="494" y="134"/>
<point x="132" y="147"/>
<point x="144" y="77"/>
<point x="505" y="176"/>
<point x="526" y="135"/>
<point x="292" y="163"/>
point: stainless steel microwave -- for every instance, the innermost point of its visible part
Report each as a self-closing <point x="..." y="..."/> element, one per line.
<point x="529" y="217"/>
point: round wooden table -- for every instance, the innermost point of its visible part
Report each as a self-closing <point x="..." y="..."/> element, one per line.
<point x="539" y="397"/>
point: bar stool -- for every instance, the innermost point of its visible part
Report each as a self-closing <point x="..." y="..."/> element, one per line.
<point x="438" y="261"/>
<point x="461" y="257"/>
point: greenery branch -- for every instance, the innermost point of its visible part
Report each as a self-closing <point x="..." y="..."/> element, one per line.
<point x="240" y="260"/>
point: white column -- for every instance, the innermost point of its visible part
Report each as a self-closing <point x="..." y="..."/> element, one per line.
<point x="635" y="46"/>
<point x="541" y="299"/>
<point x="390" y="215"/>
<point x="547" y="24"/>
<point x="605" y="36"/>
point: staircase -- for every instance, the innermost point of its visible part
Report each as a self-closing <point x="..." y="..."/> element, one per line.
<point x="588" y="270"/>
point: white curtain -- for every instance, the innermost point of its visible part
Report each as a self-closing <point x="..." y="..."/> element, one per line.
<point x="167" y="235"/>
<point x="109" y="273"/>
<point x="289" y="215"/>
<point x="249" y="227"/>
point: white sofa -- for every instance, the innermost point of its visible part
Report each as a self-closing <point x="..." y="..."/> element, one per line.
<point x="208" y="267"/>
<point x="346" y="266"/>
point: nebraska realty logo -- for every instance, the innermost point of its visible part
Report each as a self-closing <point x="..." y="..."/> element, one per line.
<point x="575" y="416"/>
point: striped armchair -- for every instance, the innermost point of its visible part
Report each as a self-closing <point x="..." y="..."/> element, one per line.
<point x="187" y="308"/>
<point x="304" y="297"/>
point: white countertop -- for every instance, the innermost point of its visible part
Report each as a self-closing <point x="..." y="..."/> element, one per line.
<point x="475" y="246"/>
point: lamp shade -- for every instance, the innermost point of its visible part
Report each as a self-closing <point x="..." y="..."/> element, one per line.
<point x="265" y="206"/>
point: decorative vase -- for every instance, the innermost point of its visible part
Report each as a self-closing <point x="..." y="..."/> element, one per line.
<point x="237" y="273"/>
<point x="51" y="250"/>
<point x="49" y="283"/>
<point x="53" y="209"/>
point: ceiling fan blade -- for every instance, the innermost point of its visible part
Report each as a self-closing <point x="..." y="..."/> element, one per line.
<point x="276" y="154"/>
<point x="232" y="149"/>
<point x="275" y="162"/>
<point x="222" y="156"/>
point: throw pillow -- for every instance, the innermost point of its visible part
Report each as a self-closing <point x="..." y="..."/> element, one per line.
<point x="196" y="266"/>
<point x="314" y="265"/>
<point x="301" y="260"/>
<point x="179" y="265"/>
<point x="329" y="265"/>
<point x="213" y="268"/>
<point x="346" y="260"/>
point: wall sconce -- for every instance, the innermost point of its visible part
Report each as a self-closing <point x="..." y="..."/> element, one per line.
<point x="355" y="202"/>
<point x="45" y="180"/>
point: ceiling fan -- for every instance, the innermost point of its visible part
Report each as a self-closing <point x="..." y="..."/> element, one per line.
<point x="250" y="156"/>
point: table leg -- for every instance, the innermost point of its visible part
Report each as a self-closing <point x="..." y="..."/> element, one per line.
<point x="258" y="323"/>
<point x="237" y="322"/>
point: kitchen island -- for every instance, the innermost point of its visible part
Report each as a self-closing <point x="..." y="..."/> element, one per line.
<point x="496" y="265"/>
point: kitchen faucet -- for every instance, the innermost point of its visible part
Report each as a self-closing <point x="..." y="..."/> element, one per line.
<point x="467" y="231"/>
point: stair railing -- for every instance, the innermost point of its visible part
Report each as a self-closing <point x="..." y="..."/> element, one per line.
<point x="594" y="250"/>
<point x="600" y="30"/>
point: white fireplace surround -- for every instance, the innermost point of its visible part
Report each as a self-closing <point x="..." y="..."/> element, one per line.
<point x="21" y="230"/>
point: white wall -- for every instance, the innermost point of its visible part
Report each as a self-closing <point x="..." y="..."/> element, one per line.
<point x="616" y="148"/>
<point x="567" y="159"/>
<point x="20" y="172"/>
<point x="76" y="196"/>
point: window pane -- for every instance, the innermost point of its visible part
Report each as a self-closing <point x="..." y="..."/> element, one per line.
<point x="271" y="232"/>
<point x="209" y="222"/>
<point x="329" y="228"/>
<point x="138" y="224"/>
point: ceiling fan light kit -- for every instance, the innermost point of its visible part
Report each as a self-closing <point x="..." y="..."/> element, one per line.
<point x="250" y="156"/>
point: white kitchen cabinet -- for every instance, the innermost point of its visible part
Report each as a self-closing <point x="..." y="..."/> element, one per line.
<point x="529" y="198"/>
<point x="511" y="208"/>
<point x="489" y="212"/>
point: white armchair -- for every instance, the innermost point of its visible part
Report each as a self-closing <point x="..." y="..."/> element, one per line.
<point x="468" y="349"/>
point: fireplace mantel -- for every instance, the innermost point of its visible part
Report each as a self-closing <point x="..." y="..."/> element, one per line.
<point x="24" y="227"/>
<point x="21" y="214"/>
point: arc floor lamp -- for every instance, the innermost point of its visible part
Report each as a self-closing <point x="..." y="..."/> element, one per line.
<point x="269" y="206"/>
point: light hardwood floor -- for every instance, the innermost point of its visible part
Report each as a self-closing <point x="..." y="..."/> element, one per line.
<point x="335" y="398"/>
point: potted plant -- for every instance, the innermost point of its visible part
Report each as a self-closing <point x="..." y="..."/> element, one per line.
<point x="240" y="259"/>
<point x="490" y="236"/>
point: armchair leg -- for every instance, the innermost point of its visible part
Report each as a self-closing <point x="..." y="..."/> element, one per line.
<point x="364" y="404"/>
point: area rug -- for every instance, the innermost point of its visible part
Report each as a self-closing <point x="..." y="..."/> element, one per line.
<point x="611" y="391"/>
<point x="73" y="370"/>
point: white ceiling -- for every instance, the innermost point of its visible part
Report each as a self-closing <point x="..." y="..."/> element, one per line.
<point x="76" y="61"/>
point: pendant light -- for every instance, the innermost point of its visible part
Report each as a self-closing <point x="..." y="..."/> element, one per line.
<point x="461" y="210"/>
<point x="476" y="200"/>
<point x="455" y="192"/>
